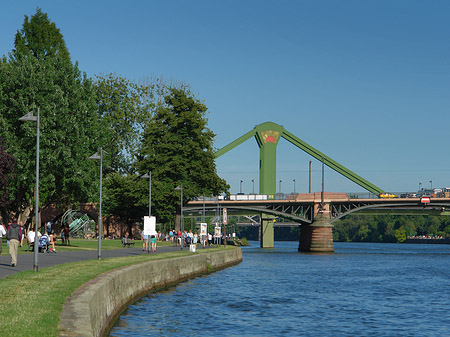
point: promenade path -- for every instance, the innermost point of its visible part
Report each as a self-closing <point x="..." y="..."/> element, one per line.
<point x="45" y="260"/>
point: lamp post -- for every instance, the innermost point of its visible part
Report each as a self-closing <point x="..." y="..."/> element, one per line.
<point x="431" y="183"/>
<point x="29" y="117"/>
<point x="280" y="185"/>
<point x="149" y="176"/>
<point x="180" y="188"/>
<point x="420" y="184"/>
<point x="322" y="202"/>
<point x="96" y="156"/>
<point x="253" y="182"/>
<point x="309" y="176"/>
<point x="294" y="184"/>
<point x="240" y="186"/>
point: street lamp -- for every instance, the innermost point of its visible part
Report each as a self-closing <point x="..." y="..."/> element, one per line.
<point x="29" y="117"/>
<point x="180" y="188"/>
<point x="420" y="185"/>
<point x="431" y="182"/>
<point x="149" y="176"/>
<point x="253" y="182"/>
<point x="309" y="176"/>
<point x="280" y="185"/>
<point x="96" y="156"/>
<point x="240" y="187"/>
<point x="294" y="184"/>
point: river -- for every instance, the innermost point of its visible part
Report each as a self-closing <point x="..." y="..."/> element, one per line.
<point x="363" y="289"/>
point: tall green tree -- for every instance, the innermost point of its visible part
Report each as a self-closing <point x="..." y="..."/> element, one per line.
<point x="124" y="107"/>
<point x="41" y="38"/>
<point x="125" y="199"/>
<point x="39" y="74"/>
<point x="177" y="147"/>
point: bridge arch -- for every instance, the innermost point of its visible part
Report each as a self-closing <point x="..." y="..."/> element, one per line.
<point x="301" y="220"/>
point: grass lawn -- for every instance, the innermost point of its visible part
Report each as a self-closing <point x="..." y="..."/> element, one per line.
<point x="31" y="302"/>
<point x="81" y="244"/>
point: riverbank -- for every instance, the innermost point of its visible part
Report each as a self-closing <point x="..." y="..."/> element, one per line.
<point x="31" y="303"/>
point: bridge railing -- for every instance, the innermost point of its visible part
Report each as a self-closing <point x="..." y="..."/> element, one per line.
<point x="293" y="196"/>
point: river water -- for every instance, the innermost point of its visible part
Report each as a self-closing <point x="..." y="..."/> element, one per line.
<point x="363" y="289"/>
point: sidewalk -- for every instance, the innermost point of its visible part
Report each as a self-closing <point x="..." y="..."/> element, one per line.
<point x="45" y="260"/>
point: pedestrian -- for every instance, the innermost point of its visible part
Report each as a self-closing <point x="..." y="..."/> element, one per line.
<point x="204" y="240"/>
<point x="23" y="232"/>
<point x="31" y="236"/>
<point x="153" y="241"/>
<point x="52" y="237"/>
<point x="210" y="239"/>
<point x="2" y="233"/>
<point x="67" y="234"/>
<point x="14" y="235"/>
<point x="144" y="242"/>
<point x="195" y="239"/>
<point x="48" y="227"/>
<point x="62" y="236"/>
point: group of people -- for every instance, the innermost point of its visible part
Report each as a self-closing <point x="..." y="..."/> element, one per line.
<point x="16" y="233"/>
<point x="145" y="239"/>
<point x="185" y="238"/>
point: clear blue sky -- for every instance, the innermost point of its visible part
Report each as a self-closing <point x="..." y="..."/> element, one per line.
<point x="365" y="82"/>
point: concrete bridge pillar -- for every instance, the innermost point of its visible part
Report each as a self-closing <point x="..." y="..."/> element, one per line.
<point x="318" y="236"/>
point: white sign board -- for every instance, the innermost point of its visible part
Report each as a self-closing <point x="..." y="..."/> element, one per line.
<point x="149" y="225"/>
<point x="217" y="231"/>
<point x="203" y="229"/>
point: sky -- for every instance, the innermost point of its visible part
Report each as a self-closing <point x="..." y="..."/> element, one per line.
<point x="365" y="82"/>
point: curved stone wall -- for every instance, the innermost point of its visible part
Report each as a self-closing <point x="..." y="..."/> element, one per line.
<point x="92" y="308"/>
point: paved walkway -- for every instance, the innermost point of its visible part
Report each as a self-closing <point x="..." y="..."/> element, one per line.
<point x="45" y="260"/>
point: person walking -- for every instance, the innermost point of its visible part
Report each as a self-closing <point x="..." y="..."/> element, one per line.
<point x="14" y="235"/>
<point x="2" y="233"/>
<point x="153" y="240"/>
<point x="144" y="242"/>
<point x="67" y="235"/>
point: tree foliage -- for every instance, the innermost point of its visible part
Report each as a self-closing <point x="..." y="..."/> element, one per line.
<point x="387" y="228"/>
<point x="177" y="147"/>
<point x="124" y="108"/>
<point x="40" y="38"/>
<point x="125" y="199"/>
<point x="7" y="162"/>
<point x="69" y="123"/>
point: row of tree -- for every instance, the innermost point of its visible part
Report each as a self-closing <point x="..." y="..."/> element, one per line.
<point x="367" y="228"/>
<point x="141" y="127"/>
<point x="389" y="228"/>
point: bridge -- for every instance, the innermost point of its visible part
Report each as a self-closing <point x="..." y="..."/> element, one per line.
<point x="314" y="212"/>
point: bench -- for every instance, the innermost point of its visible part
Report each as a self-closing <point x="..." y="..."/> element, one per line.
<point x="127" y="242"/>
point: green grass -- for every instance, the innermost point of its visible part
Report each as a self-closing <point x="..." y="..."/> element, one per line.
<point x="31" y="302"/>
<point x="81" y="244"/>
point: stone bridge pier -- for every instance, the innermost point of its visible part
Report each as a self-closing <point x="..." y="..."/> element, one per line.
<point x="317" y="237"/>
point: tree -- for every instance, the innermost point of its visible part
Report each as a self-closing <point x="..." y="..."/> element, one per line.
<point x="125" y="199"/>
<point x="40" y="38"/>
<point x="400" y="234"/>
<point x="7" y="162"/>
<point x="177" y="147"/>
<point x="124" y="108"/>
<point x="39" y="74"/>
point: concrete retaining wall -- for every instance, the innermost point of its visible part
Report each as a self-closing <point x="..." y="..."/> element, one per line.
<point x="93" y="307"/>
